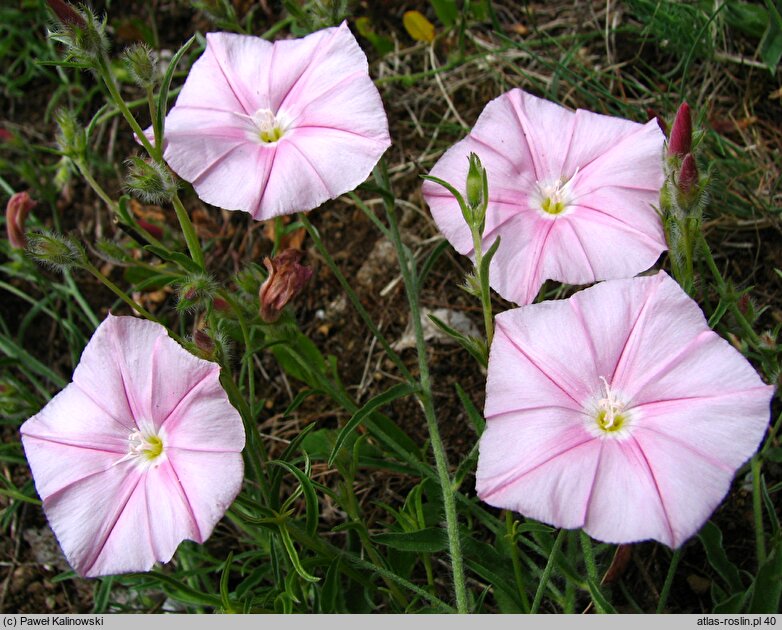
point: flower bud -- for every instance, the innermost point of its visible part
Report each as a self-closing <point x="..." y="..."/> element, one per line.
<point x="19" y="205"/>
<point x="680" y="142"/>
<point x="688" y="175"/>
<point x="149" y="180"/>
<point x="82" y="33"/>
<point x="57" y="251"/>
<point x="474" y="182"/>
<point x="140" y="61"/>
<point x="66" y="13"/>
<point x="196" y="289"/>
<point x="285" y="281"/>
<point x="72" y="138"/>
<point x="204" y="342"/>
<point x="153" y="230"/>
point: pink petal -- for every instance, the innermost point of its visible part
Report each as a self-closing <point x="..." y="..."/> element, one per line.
<point x="610" y="172"/>
<point x="114" y="503"/>
<point x="236" y="66"/>
<point x="177" y="378"/>
<point x="692" y="410"/>
<point x="633" y="162"/>
<point x="540" y="463"/>
<point x="599" y="237"/>
<point x="548" y="129"/>
<point x="116" y="367"/>
<point x="690" y="486"/>
<point x="515" y="359"/>
<point x="204" y="420"/>
<point x="85" y="514"/>
<point x="625" y="504"/>
<point x="334" y="127"/>
<point x="709" y="426"/>
<point x="210" y="482"/>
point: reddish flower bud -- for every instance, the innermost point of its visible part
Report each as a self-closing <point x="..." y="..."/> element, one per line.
<point x="688" y="175"/>
<point x="221" y="305"/>
<point x="204" y="342"/>
<point x="5" y="135"/>
<point x="653" y="115"/>
<point x="66" y="13"/>
<point x="19" y="205"/>
<point x="286" y="280"/>
<point x="680" y="142"/>
<point x="153" y="230"/>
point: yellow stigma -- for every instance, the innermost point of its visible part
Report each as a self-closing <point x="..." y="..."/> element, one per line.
<point x="552" y="207"/>
<point x="270" y="135"/>
<point x="153" y="447"/>
<point x="609" y="421"/>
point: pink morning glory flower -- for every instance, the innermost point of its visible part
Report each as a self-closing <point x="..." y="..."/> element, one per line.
<point x="619" y="411"/>
<point x="571" y="194"/>
<point x="275" y="128"/>
<point x="141" y="451"/>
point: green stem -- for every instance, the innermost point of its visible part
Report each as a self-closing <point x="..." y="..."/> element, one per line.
<point x="111" y="85"/>
<point x="125" y="297"/>
<point x="255" y="450"/>
<point x="668" y="581"/>
<point x="547" y="572"/>
<point x="87" y="175"/>
<point x="518" y="573"/>
<point x="354" y="298"/>
<point x="722" y="288"/>
<point x="193" y="244"/>
<point x="589" y="556"/>
<point x="158" y="154"/>
<point x="449" y="503"/>
<point x="757" y="509"/>
<point x="484" y="285"/>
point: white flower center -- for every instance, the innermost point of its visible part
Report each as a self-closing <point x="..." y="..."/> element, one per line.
<point x="608" y="414"/>
<point x="269" y="128"/>
<point x="146" y="448"/>
<point x="553" y="198"/>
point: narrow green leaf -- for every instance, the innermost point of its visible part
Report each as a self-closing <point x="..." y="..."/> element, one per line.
<point x="225" y="595"/>
<point x="165" y="85"/>
<point x="101" y="595"/>
<point x="428" y="540"/>
<point x="601" y="603"/>
<point x="431" y="260"/>
<point x="397" y="391"/>
<point x="487" y="257"/>
<point x="475" y="417"/>
<point x="711" y="538"/>
<point x="310" y="497"/>
<point x="476" y="347"/>
<point x="294" y="556"/>
<point x="446" y="11"/>
<point x="768" y="584"/>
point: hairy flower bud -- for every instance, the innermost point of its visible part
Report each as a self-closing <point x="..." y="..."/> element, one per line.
<point x="204" y="342"/>
<point x="72" y="138"/>
<point x="82" y="33"/>
<point x="287" y="278"/>
<point x="19" y="206"/>
<point x="141" y="63"/>
<point x="688" y="175"/>
<point x="55" y="250"/>
<point x="66" y="13"/>
<point x="196" y="289"/>
<point x="149" y="180"/>
<point x="680" y="142"/>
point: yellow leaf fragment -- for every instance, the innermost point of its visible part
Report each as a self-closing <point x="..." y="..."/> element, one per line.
<point x="418" y="27"/>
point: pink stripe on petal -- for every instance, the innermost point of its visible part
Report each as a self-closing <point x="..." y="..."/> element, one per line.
<point x="626" y="505"/>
